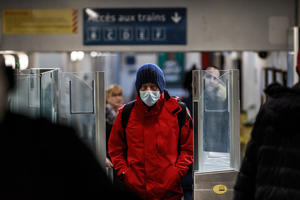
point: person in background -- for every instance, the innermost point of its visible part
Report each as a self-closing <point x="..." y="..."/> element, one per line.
<point x="271" y="166"/>
<point x="41" y="160"/>
<point x="114" y="100"/>
<point x="216" y="115"/>
<point x="152" y="155"/>
<point x="215" y="88"/>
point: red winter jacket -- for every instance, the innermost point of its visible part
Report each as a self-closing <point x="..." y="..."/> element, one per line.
<point x="152" y="164"/>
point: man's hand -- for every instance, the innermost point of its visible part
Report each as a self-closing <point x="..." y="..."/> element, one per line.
<point x="221" y="92"/>
<point x="108" y="163"/>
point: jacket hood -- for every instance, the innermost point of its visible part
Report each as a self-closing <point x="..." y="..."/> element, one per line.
<point x="276" y="89"/>
<point x="282" y="108"/>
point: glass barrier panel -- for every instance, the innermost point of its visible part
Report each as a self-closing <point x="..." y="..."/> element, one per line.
<point x="26" y="97"/>
<point x="36" y="93"/>
<point x="216" y="143"/>
<point x="215" y="103"/>
<point x="49" y="95"/>
<point x="77" y="104"/>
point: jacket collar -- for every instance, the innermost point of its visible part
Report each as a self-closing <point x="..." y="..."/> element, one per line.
<point x="172" y="103"/>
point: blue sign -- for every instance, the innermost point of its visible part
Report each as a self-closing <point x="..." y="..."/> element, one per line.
<point x="137" y="26"/>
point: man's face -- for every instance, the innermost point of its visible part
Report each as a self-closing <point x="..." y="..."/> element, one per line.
<point x="211" y="78"/>
<point x="149" y="86"/>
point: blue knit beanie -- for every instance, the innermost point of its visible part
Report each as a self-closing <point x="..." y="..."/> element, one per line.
<point x="150" y="73"/>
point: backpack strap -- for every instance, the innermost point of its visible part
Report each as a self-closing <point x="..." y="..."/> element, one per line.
<point x="167" y="95"/>
<point x="181" y="116"/>
<point x="126" y="114"/>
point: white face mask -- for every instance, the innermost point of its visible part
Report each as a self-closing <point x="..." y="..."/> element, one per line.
<point x="149" y="97"/>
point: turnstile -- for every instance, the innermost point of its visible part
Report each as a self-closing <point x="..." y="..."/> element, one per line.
<point x="36" y="93"/>
<point x="216" y="112"/>
<point x="74" y="99"/>
<point x="82" y="106"/>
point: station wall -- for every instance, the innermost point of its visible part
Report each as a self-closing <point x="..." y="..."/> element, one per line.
<point x="212" y="25"/>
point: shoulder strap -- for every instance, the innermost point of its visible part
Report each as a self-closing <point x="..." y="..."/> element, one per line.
<point x="181" y="116"/>
<point x="126" y="114"/>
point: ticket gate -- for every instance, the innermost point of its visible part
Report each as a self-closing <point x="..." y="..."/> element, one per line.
<point x="36" y="93"/>
<point x="82" y="106"/>
<point x="216" y="111"/>
<point x="74" y="99"/>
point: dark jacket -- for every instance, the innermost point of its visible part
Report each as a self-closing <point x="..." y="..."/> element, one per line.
<point x="149" y="157"/>
<point x="271" y="167"/>
<point x="41" y="160"/>
<point x="110" y="117"/>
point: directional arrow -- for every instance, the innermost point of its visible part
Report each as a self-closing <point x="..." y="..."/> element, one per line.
<point x="176" y="18"/>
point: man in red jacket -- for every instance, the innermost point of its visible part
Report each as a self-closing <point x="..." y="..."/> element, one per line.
<point x="153" y="154"/>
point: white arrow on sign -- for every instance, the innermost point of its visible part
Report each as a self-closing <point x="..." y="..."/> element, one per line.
<point x="176" y="18"/>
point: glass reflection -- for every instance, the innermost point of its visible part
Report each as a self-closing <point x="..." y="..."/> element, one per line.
<point x="216" y="134"/>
